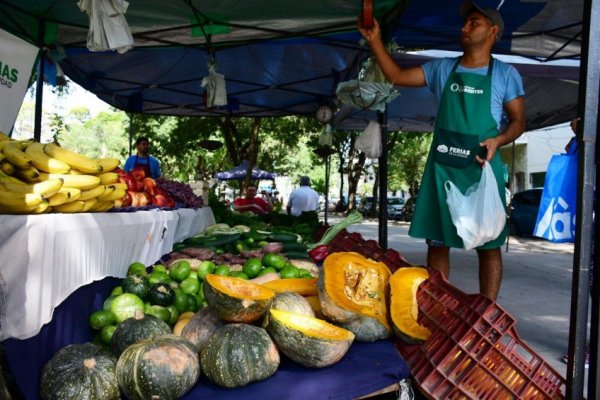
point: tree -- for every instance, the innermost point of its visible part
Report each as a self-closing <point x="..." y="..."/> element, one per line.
<point x="407" y="160"/>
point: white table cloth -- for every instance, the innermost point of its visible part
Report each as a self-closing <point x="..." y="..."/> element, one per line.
<point x="44" y="258"/>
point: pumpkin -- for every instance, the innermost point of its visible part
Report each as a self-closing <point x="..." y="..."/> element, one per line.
<point x="404" y="285"/>
<point x="237" y="354"/>
<point x="302" y="286"/>
<point x="352" y="286"/>
<point x="80" y="371"/>
<point x="136" y="284"/>
<point x="132" y="330"/>
<point x="201" y="326"/>
<point x="161" y="294"/>
<point x="367" y="329"/>
<point x="289" y="301"/>
<point x="236" y="300"/>
<point x="315" y="303"/>
<point x="309" y="341"/>
<point x="165" y="367"/>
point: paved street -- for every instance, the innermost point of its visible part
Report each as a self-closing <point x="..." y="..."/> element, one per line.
<point x="536" y="289"/>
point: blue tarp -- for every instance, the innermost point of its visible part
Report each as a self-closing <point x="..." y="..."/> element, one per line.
<point x="239" y="173"/>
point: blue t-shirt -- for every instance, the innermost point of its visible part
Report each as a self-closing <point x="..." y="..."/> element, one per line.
<point x="154" y="164"/>
<point x="507" y="84"/>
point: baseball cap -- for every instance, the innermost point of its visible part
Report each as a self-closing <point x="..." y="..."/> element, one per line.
<point x="492" y="14"/>
<point x="304" y="181"/>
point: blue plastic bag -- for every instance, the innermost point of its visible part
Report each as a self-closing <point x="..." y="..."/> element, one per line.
<point x="556" y="216"/>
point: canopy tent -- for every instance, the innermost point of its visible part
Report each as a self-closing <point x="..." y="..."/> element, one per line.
<point x="239" y="173"/>
<point x="285" y="59"/>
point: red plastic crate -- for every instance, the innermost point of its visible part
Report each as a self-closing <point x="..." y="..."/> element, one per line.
<point x="474" y="351"/>
<point x="346" y="241"/>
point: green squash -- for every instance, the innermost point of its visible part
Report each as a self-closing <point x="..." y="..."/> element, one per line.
<point x="201" y="326"/>
<point x="309" y="341"/>
<point x="238" y="354"/>
<point x="161" y="294"/>
<point x="366" y="329"/>
<point x="164" y="367"/>
<point x="132" y="330"/>
<point x="236" y="300"/>
<point x="80" y="371"/>
<point x="138" y="285"/>
<point x="289" y="301"/>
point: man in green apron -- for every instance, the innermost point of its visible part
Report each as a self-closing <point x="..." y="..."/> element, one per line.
<point x="473" y="92"/>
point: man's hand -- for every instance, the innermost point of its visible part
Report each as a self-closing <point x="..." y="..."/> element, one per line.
<point x="490" y="145"/>
<point x="370" y="34"/>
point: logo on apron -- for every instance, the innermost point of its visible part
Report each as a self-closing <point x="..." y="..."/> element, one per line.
<point x="455" y="149"/>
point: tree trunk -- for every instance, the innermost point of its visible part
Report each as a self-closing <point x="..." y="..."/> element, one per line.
<point x="355" y="171"/>
<point x="252" y="151"/>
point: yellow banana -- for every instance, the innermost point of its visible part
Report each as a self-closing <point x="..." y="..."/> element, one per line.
<point x="116" y="194"/>
<point x="44" y="162"/>
<point x="71" y="207"/>
<point x="58" y="198"/>
<point x="89" y="204"/>
<point x="41" y="208"/>
<point x="92" y="193"/>
<point x="75" y="160"/>
<point x="82" y="182"/>
<point x="17" y="209"/>
<point x="107" y="178"/>
<point x="73" y="171"/>
<point x="30" y="174"/>
<point x="102" y="206"/>
<point x="45" y="188"/>
<point x="14" y="153"/>
<point x="108" y="164"/>
<point x="73" y="193"/>
<point x="107" y="192"/>
<point x="119" y="185"/>
<point x="7" y="167"/>
<point x="19" y="200"/>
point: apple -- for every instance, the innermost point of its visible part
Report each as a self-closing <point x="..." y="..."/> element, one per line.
<point x="126" y="200"/>
<point x="118" y="203"/>
<point x="129" y="181"/>
<point x="139" y="186"/>
<point x="138" y="174"/>
<point x="149" y="185"/>
<point x="160" y="190"/>
<point x="160" y="200"/>
<point x="134" y="198"/>
<point x="120" y="171"/>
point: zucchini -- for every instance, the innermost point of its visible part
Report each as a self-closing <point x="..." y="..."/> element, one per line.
<point x="294" y="246"/>
<point x="293" y="254"/>
<point x="213" y="241"/>
<point x="284" y="237"/>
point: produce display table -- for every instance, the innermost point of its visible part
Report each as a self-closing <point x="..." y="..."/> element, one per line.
<point x="366" y="368"/>
<point x="44" y="258"/>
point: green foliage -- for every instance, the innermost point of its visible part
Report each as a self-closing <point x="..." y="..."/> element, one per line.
<point x="406" y="161"/>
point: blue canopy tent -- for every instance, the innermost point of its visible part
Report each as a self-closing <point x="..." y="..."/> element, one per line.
<point x="239" y="173"/>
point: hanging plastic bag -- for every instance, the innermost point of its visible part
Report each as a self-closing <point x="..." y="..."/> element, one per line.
<point x="216" y="92"/>
<point x="479" y="215"/>
<point x="366" y="95"/>
<point x="369" y="141"/>
<point x="108" y="27"/>
<point x="326" y="138"/>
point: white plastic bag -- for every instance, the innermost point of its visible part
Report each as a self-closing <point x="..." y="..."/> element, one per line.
<point x="479" y="214"/>
<point x="108" y="27"/>
<point x="216" y="92"/>
<point x="369" y="141"/>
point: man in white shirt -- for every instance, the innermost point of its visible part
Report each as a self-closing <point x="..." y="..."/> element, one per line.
<point x="303" y="198"/>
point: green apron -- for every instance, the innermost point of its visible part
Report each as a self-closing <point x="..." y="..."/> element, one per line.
<point x="464" y="119"/>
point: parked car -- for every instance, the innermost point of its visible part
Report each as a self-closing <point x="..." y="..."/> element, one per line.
<point x="409" y="209"/>
<point x="524" y="210"/>
<point x="395" y="205"/>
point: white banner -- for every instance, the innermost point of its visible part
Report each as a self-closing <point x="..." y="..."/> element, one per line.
<point x="16" y="63"/>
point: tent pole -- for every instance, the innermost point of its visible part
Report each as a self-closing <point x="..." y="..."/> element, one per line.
<point x="589" y="88"/>
<point x="39" y="89"/>
<point x="382" y="117"/>
<point x="130" y="133"/>
<point x="512" y="190"/>
<point x="327" y="170"/>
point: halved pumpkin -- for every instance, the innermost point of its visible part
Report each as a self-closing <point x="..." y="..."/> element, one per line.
<point x="404" y="309"/>
<point x="309" y="341"/>
<point x="292" y="302"/>
<point x="236" y="300"/>
<point x="352" y="286"/>
<point x="302" y="286"/>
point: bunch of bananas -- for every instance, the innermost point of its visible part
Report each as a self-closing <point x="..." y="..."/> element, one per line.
<point x="37" y="178"/>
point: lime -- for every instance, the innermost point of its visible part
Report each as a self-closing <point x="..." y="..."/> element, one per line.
<point x="108" y="302"/>
<point x="200" y="296"/>
<point x="239" y="274"/>
<point x="222" y="270"/>
<point x="106" y="333"/>
<point x="273" y="260"/>
<point x="252" y="267"/>
<point x="180" y="270"/>
<point x="117" y="290"/>
<point x="174" y="314"/>
<point x="190" y="285"/>
<point x="266" y="270"/>
<point x="125" y="305"/>
<point x="289" y="271"/>
<point x="159" y="276"/>
<point x="137" y="268"/>
<point x="180" y="301"/>
<point x="191" y="304"/>
<point x="204" y="268"/>
<point x="303" y="273"/>
<point x="101" y="318"/>
<point x="159" y="312"/>
<point x="193" y="274"/>
<point x="160" y="268"/>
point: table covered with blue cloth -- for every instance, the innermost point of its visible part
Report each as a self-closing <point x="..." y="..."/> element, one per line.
<point x="366" y="368"/>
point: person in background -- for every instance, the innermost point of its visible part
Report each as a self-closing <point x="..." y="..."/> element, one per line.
<point x="302" y="199"/>
<point x="258" y="205"/>
<point x="472" y="91"/>
<point x="142" y="159"/>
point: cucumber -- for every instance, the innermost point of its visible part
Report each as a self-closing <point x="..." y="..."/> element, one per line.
<point x="296" y="254"/>
<point x="294" y="246"/>
<point x="284" y="237"/>
<point x="213" y="241"/>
